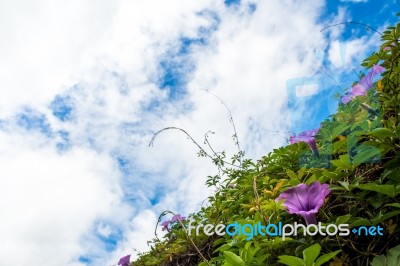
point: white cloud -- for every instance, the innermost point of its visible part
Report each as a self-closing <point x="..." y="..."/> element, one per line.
<point x="49" y="202"/>
<point x="347" y="55"/>
<point x="112" y="54"/>
<point x="44" y="44"/>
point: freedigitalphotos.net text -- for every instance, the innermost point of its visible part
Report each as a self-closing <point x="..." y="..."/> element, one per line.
<point x="281" y="230"/>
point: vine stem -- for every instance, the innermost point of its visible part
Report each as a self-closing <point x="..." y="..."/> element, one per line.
<point x="190" y="137"/>
<point x="232" y="123"/>
<point x="257" y="196"/>
<point x="352" y="22"/>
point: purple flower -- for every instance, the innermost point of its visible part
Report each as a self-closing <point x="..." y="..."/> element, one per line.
<point x="165" y="224"/>
<point x="305" y="200"/>
<point x="307" y="137"/>
<point x="178" y="217"/>
<point x="364" y="85"/>
<point x="124" y="261"/>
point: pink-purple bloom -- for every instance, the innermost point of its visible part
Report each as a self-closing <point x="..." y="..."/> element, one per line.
<point x="165" y="224"/>
<point x="124" y="261"/>
<point x="178" y="217"/>
<point x="305" y="200"/>
<point x="364" y="85"/>
<point x="307" y="137"/>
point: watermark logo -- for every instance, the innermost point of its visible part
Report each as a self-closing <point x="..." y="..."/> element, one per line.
<point x="249" y="231"/>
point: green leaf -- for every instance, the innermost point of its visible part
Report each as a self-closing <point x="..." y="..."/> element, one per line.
<point x="325" y="258"/>
<point x="365" y="154"/>
<point x="233" y="259"/>
<point x="342" y="219"/>
<point x="393" y="256"/>
<point x="389" y="190"/>
<point x="394" y="205"/>
<point x="359" y="222"/>
<point x="342" y="162"/>
<point x="219" y="241"/>
<point x="382" y="133"/>
<point x="310" y="254"/>
<point x="291" y="260"/>
<point x="222" y="248"/>
<point x="339" y="129"/>
<point x="392" y="164"/>
<point x="345" y="184"/>
<point x="385" y="217"/>
<point x="379" y="261"/>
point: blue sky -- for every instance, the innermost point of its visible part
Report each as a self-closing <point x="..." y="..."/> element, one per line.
<point x="87" y="84"/>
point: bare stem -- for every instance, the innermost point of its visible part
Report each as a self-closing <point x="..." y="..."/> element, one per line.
<point x="236" y="138"/>
<point x="190" y="137"/>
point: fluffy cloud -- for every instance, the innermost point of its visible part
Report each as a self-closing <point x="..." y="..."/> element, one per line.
<point x="49" y="201"/>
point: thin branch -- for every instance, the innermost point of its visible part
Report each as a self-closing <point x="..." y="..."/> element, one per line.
<point x="208" y="143"/>
<point x="232" y="123"/>
<point x="151" y="143"/>
<point x="257" y="196"/>
<point x="352" y="22"/>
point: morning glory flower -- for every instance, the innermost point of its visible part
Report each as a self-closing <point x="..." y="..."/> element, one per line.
<point x="124" y="261"/>
<point x="164" y="225"/>
<point x="178" y="217"/>
<point x="364" y="85"/>
<point x="305" y="200"/>
<point x="307" y="137"/>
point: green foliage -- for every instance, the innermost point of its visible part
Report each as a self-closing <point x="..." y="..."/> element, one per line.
<point x="391" y="259"/>
<point x="310" y="257"/>
<point x="360" y="160"/>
